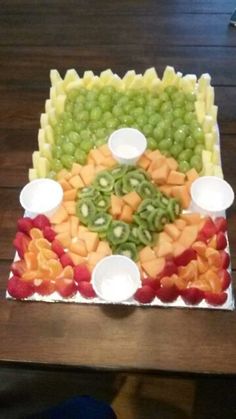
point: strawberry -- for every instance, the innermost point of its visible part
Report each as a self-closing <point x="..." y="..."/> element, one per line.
<point x="209" y="229"/>
<point x="221" y="241"/>
<point x="49" y="234"/>
<point x="225" y="259"/>
<point x="170" y="268"/>
<point x="66" y="260"/>
<point x="154" y="283"/>
<point x="25" y="224"/>
<point x="41" y="221"/>
<point x="221" y="224"/>
<point x="225" y="279"/>
<point x="185" y="257"/>
<point x="86" y="290"/>
<point x="21" y="243"/>
<point x="201" y="237"/>
<point x="66" y="287"/>
<point x="216" y="299"/>
<point x="18" y="267"/>
<point x="81" y="273"/>
<point x="19" y="289"/>
<point x="145" y="294"/>
<point x="192" y="295"/>
<point x="44" y="287"/>
<point x="167" y="294"/>
<point x="57" y="248"/>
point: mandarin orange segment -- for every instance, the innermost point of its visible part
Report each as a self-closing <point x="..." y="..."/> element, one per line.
<point x="30" y="275"/>
<point x="42" y="261"/>
<point x="68" y="272"/>
<point x="49" y="254"/>
<point x="31" y="261"/>
<point x="32" y="246"/>
<point x="35" y="233"/>
<point x="55" y="267"/>
<point x="42" y="244"/>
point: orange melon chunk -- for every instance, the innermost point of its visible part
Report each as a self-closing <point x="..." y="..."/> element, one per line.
<point x="109" y="162"/>
<point x="156" y="163"/>
<point x="143" y="162"/>
<point x="70" y="207"/>
<point x="164" y="249"/>
<point x="146" y="254"/>
<point x="172" y="163"/>
<point x="87" y="174"/>
<point x="116" y="205"/>
<point x="97" y="156"/>
<point x="182" y="193"/>
<point x="76" y="259"/>
<point x="63" y="227"/>
<point x="153" y="155"/>
<point x="126" y="214"/>
<point x="79" y="247"/>
<point x="188" y="235"/>
<point x="166" y="189"/>
<point x="65" y="185"/>
<point x="69" y="195"/>
<point x="94" y="258"/>
<point x="64" y="239"/>
<point x="76" y="167"/>
<point x="176" y="178"/>
<point x="178" y="249"/>
<point x="153" y="267"/>
<point x="202" y="264"/>
<point x="191" y="218"/>
<point x="192" y="174"/>
<point x="74" y="222"/>
<point x="172" y="230"/>
<point x="59" y="216"/>
<point x="104" y="248"/>
<point x="180" y="224"/>
<point x="76" y="182"/>
<point x="105" y="150"/>
<point x="164" y="237"/>
<point x="63" y="174"/>
<point x="91" y="240"/>
<point x="133" y="199"/>
<point x="160" y="175"/>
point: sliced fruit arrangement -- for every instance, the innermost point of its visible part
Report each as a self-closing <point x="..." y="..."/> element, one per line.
<point x="176" y="114"/>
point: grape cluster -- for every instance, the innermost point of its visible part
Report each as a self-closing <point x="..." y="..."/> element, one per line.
<point x="167" y="119"/>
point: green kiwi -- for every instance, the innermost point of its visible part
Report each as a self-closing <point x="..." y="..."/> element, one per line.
<point x="85" y="210"/>
<point x="127" y="249"/>
<point x="118" y="232"/>
<point x="146" y="205"/>
<point x="85" y="192"/>
<point x="140" y="221"/>
<point x="146" y="189"/>
<point x="134" y="234"/>
<point x="102" y="202"/>
<point x="144" y="235"/>
<point x="104" y="182"/>
<point x="173" y="209"/>
<point x="131" y="181"/>
<point x="100" y="222"/>
<point x="118" y="171"/>
<point x="118" y="187"/>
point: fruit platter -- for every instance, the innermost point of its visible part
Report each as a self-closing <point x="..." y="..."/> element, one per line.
<point x="142" y="210"/>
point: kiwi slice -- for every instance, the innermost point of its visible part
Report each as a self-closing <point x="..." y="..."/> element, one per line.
<point x="118" y="187"/>
<point x="140" y="221"/>
<point x="118" y="171"/>
<point x="85" y="210"/>
<point x="173" y="209"/>
<point x="134" y="234"/>
<point x="164" y="201"/>
<point x="146" y="189"/>
<point x="127" y="249"/>
<point x="118" y="232"/>
<point x="104" y="182"/>
<point x="146" y="205"/>
<point x="132" y="180"/>
<point x="160" y="219"/>
<point x="85" y="192"/>
<point x="144" y="235"/>
<point x="102" y="202"/>
<point x="100" y="222"/>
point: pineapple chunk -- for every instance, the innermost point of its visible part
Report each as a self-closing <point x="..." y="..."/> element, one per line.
<point x="43" y="120"/>
<point x="70" y="76"/>
<point x="54" y="77"/>
<point x="200" y="110"/>
<point x="77" y="84"/>
<point x="32" y="174"/>
<point x="169" y="76"/>
<point x="209" y="141"/>
<point x="49" y="134"/>
<point x="60" y="104"/>
<point x="42" y="167"/>
<point x="128" y="78"/>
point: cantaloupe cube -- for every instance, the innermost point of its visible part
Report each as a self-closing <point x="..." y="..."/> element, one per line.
<point x="90" y="161"/>
<point x="180" y="223"/>
<point x="63" y="174"/>
<point x="76" y="182"/>
<point x="164" y="237"/>
<point x="156" y="163"/>
<point x="160" y="175"/>
<point x="70" y="207"/>
<point x="192" y="174"/>
<point x="191" y="217"/>
<point x="146" y="254"/>
<point x="78" y="246"/>
<point x="153" y="155"/>
<point x="104" y="248"/>
<point x="74" y="223"/>
<point x="166" y="189"/>
<point x="188" y="235"/>
<point x="65" y="185"/>
<point x="133" y="199"/>
<point x="99" y="168"/>
<point x="59" y="216"/>
<point x="163" y="249"/>
<point x="109" y="162"/>
<point x="82" y="229"/>
<point x="178" y="249"/>
<point x="94" y="258"/>
<point x="76" y="259"/>
<point x="143" y="162"/>
<point x="105" y="150"/>
<point x="63" y="227"/>
<point x="97" y="156"/>
<point x="91" y="240"/>
<point x="87" y="174"/>
<point x="154" y="267"/>
<point x="75" y="170"/>
<point x="182" y="193"/>
<point x="176" y="178"/>
<point x="69" y="195"/>
<point x="116" y="205"/>
<point x="126" y="214"/>
<point x="172" y="163"/>
<point x="172" y="230"/>
<point x="64" y="239"/>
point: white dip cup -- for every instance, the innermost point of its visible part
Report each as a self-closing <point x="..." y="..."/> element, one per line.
<point x="127" y="145"/>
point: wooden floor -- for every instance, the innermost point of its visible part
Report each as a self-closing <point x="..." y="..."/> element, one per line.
<point x="132" y="396"/>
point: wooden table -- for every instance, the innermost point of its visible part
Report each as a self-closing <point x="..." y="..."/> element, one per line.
<point x="194" y="36"/>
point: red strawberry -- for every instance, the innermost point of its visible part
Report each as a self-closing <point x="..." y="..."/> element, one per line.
<point x="19" y="289"/>
<point x="225" y="259"/>
<point x="209" y="228"/>
<point x="44" y="287"/>
<point x="221" y="241"/>
<point x="201" y="237"/>
<point x="86" y="290"/>
<point x="192" y="295"/>
<point x="216" y="299"/>
<point x="66" y="260"/>
<point x="41" y="221"/>
<point x="225" y="279"/>
<point x="21" y="243"/>
<point x="81" y="273"/>
<point x="66" y="287"/>
<point x="185" y="257"/>
<point x="167" y="294"/>
<point x="221" y="224"/>
<point x="18" y="267"/>
<point x="25" y="224"/>
<point x="170" y="268"/>
<point x="145" y="294"/>
<point x="154" y="283"/>
<point x="57" y="247"/>
<point x="49" y="234"/>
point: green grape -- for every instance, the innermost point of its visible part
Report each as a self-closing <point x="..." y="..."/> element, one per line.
<point x="67" y="160"/>
<point x="56" y="165"/>
<point x="189" y="106"/>
<point x="168" y="117"/>
<point x="165" y="144"/>
<point x="166" y="107"/>
<point x="185" y="129"/>
<point x="95" y="113"/>
<point x="112" y="123"/>
<point x="147" y="129"/>
<point x="178" y="99"/>
<point x="164" y="97"/>
<point x="155" y="103"/>
<point x="171" y="90"/>
<point x="68" y="126"/>
<point x="110" y="90"/>
<point x="104" y="98"/>
<point x="117" y="111"/>
<point x="82" y="116"/>
<point x="189" y="117"/>
<point x="127" y="108"/>
<point x="154" y="119"/>
<point x="69" y="106"/>
<point x="189" y="142"/>
<point x="56" y="151"/>
<point x="177" y="123"/>
<point x="190" y="97"/>
<point x="185" y="154"/>
<point x="86" y="145"/>
<point x="100" y="141"/>
<point x="78" y="107"/>
<point x="122" y="101"/>
<point x="179" y="113"/>
<point x="74" y="137"/>
<point x="61" y="139"/>
<point x="101" y="133"/>
<point x="194" y="123"/>
<point x="72" y="95"/>
<point x="142" y="120"/>
<point x="85" y="134"/>
<point x="68" y="148"/>
<point x="107" y="115"/>
<point x="196" y="162"/>
<point x="166" y="153"/>
<point x="198" y="135"/>
<point x="140" y="101"/>
<point x="179" y="135"/>
<point x="158" y="133"/>
<point x="105" y="106"/>
<point x="79" y="125"/>
<point x="148" y="110"/>
<point x="151" y="143"/>
<point x="176" y="149"/>
<point x="89" y="105"/>
<point x="198" y="149"/>
<point x="58" y="129"/>
<point x="136" y="112"/>
<point x="168" y="132"/>
<point x="92" y="95"/>
<point x="184" y="166"/>
<point x="80" y="156"/>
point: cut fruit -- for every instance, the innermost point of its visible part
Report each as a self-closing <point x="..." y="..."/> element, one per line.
<point x="85" y="210"/>
<point x="127" y="249"/>
<point x="145" y="294"/>
<point x="154" y="267"/>
<point x="118" y="232"/>
<point x="126" y="214"/>
<point x="146" y="254"/>
<point x="100" y="222"/>
<point x="132" y="199"/>
<point x="104" y="182"/>
<point x="188" y="235"/>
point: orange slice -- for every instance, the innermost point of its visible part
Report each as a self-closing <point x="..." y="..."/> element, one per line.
<point x="68" y="272"/>
<point x="31" y="261"/>
<point x="48" y="254"/>
<point x="55" y="268"/>
<point x="42" y="244"/>
<point x="35" y="233"/>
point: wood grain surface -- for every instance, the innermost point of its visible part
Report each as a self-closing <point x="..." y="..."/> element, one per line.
<point x="36" y="36"/>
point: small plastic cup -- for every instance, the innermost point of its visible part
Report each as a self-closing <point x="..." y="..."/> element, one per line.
<point x="41" y="196"/>
<point x="211" y="195"/>
<point x="116" y="278"/>
<point x="127" y="145"/>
